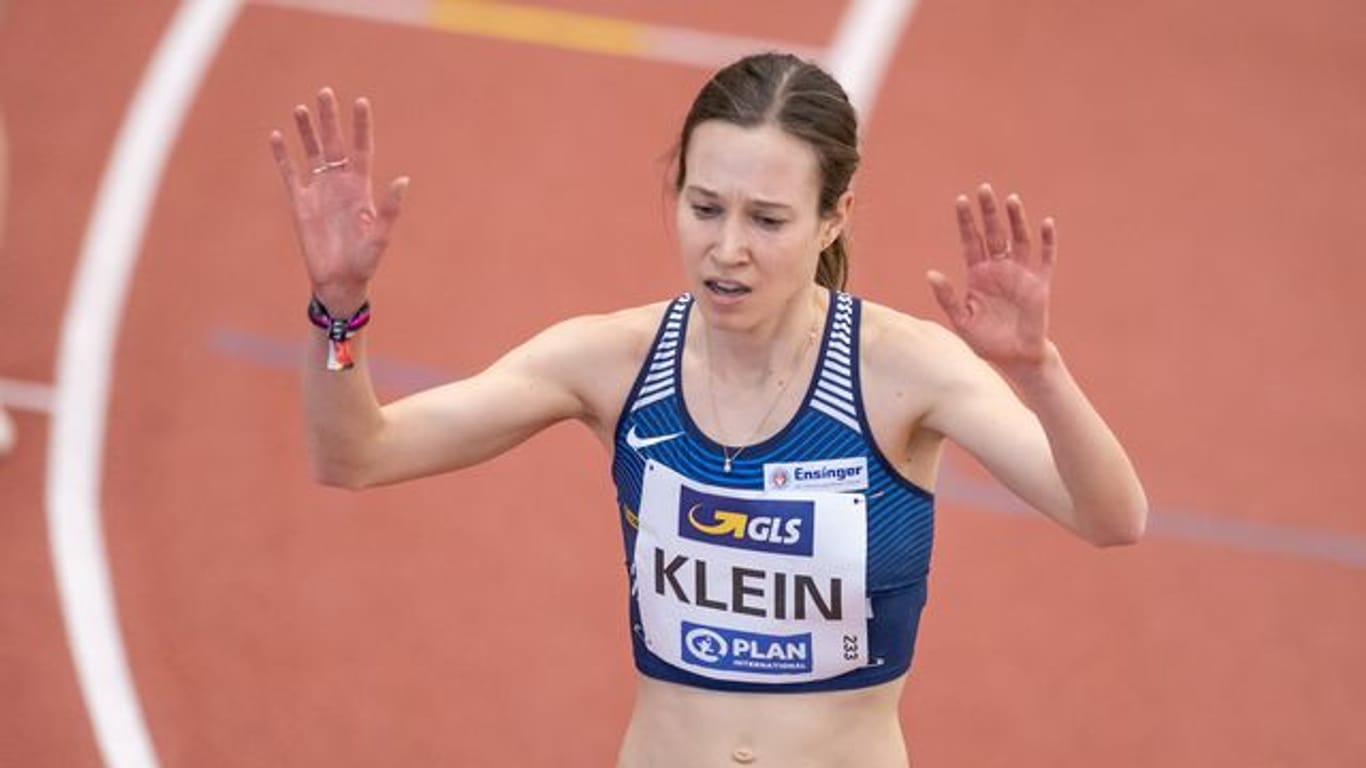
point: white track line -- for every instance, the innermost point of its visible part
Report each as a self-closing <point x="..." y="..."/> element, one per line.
<point x="671" y="44"/>
<point x="26" y="395"/>
<point x="858" y="55"/>
<point x="863" y="46"/>
<point x="710" y="50"/>
<point x="409" y="12"/>
<point x="84" y="356"/>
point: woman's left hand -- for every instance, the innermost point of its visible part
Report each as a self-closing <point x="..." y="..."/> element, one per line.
<point x="1003" y="315"/>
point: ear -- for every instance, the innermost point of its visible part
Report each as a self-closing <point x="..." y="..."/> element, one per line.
<point x="836" y="222"/>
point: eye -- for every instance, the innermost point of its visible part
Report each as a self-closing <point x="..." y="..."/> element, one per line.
<point x="705" y="211"/>
<point x="769" y="222"/>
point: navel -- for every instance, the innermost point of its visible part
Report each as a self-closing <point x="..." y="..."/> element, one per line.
<point x="743" y="755"/>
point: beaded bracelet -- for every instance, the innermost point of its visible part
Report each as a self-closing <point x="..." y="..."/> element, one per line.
<point x="339" y="331"/>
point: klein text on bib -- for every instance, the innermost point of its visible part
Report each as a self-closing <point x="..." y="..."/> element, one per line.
<point x="751" y="586"/>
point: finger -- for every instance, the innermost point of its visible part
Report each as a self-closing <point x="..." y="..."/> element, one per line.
<point x="944" y="293"/>
<point x="1019" y="229"/>
<point x="307" y="137"/>
<point x="277" y="148"/>
<point x="389" y="209"/>
<point x="995" y="236"/>
<point x="329" y="125"/>
<point x="362" y="121"/>
<point x="973" y="250"/>
<point x="1050" y="246"/>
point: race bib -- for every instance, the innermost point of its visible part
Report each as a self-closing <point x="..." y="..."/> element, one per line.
<point x="751" y="586"/>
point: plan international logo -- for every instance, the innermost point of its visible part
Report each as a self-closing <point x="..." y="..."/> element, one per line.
<point x="763" y="525"/>
<point x="736" y="651"/>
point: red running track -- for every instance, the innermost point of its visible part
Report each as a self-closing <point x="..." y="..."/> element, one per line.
<point x="1203" y="160"/>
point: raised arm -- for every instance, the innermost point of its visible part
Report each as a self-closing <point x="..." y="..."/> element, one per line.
<point x="352" y="441"/>
<point x="1044" y="440"/>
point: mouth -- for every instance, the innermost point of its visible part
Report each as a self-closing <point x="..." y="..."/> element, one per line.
<point x="727" y="288"/>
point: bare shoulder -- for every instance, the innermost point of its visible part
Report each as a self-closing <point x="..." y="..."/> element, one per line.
<point x="900" y="347"/>
<point x="911" y="369"/>
<point x="596" y="356"/>
<point x="917" y="370"/>
<point x="600" y="338"/>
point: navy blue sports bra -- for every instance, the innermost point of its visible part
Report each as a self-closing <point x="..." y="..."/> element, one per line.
<point x="801" y="567"/>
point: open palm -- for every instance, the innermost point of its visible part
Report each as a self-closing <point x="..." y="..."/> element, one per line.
<point x="341" y="232"/>
<point x="1003" y="314"/>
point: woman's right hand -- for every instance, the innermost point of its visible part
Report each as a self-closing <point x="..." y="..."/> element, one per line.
<point x="341" y="232"/>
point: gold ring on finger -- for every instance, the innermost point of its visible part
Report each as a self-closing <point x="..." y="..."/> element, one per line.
<point x="331" y="165"/>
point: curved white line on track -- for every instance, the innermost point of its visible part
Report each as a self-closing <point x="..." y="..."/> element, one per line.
<point x="84" y="356"/>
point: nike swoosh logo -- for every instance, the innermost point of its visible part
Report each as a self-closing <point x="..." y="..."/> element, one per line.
<point x="637" y="442"/>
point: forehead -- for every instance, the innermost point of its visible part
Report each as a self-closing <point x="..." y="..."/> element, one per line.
<point x="758" y="162"/>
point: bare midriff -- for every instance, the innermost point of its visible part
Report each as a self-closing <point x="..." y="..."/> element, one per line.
<point x="676" y="726"/>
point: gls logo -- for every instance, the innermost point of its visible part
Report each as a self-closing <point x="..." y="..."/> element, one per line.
<point x="764" y="525"/>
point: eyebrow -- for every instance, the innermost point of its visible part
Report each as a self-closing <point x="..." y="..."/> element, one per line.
<point x="757" y="203"/>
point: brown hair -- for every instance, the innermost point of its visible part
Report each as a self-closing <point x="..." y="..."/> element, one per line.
<point x="804" y="101"/>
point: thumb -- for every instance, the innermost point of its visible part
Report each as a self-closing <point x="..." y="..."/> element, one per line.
<point x="389" y="208"/>
<point x="944" y="293"/>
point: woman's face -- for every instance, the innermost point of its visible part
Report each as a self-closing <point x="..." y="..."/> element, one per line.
<point x="749" y="227"/>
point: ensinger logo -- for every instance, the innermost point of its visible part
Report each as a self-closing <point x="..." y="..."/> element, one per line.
<point x="837" y="474"/>
<point x="848" y="474"/>
<point x="736" y="651"/>
<point x="764" y="525"/>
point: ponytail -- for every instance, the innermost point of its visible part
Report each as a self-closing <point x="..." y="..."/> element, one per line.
<point x="833" y="269"/>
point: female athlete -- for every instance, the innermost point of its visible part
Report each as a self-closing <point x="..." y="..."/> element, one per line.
<point x="774" y="440"/>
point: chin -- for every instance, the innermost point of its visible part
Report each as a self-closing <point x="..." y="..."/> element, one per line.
<point x="733" y="317"/>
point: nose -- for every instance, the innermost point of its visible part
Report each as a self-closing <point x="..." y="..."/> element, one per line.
<point x="732" y="243"/>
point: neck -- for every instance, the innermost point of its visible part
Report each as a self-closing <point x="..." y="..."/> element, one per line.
<point x="752" y="356"/>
